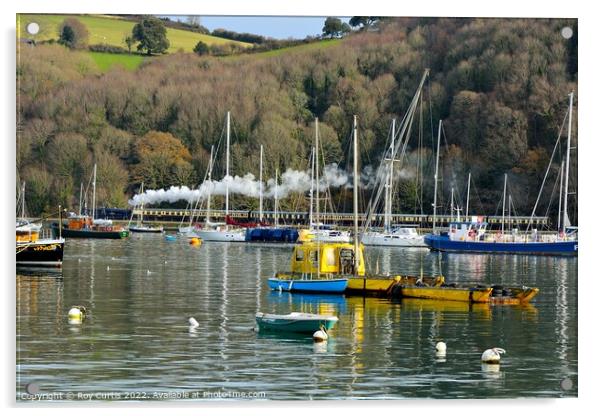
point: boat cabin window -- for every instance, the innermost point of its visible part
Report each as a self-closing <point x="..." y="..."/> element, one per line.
<point x="330" y="256"/>
<point x="313" y="256"/>
<point x="299" y="255"/>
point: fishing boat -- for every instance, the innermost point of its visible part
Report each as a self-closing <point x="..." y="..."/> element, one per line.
<point x="84" y="226"/>
<point x="295" y="322"/>
<point x="470" y="236"/>
<point x="34" y="249"/>
<point x="222" y="232"/>
<point x="140" y="227"/>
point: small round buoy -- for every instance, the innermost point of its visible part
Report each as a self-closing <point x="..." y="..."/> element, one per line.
<point x="76" y="314"/>
<point x="108" y="268"/>
<point x="320" y="336"/>
<point x="492" y="355"/>
<point x="441" y="348"/>
<point x="195" y="241"/>
<point x="193" y="323"/>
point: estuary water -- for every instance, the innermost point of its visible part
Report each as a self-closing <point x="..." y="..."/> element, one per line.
<point x="136" y="343"/>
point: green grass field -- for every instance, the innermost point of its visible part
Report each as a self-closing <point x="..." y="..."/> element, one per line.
<point x="301" y="48"/>
<point x="111" y="30"/>
<point x="106" y="61"/>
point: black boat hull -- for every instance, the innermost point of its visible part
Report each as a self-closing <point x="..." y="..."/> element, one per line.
<point x="40" y="253"/>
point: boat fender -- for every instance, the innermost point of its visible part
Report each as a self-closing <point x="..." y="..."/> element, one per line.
<point x="492" y="355"/>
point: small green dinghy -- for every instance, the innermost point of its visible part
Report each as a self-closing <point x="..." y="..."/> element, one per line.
<point x="295" y="322"/>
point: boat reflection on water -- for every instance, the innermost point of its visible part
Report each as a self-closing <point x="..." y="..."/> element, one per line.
<point x="323" y="304"/>
<point x="40" y="272"/>
<point x="430" y="305"/>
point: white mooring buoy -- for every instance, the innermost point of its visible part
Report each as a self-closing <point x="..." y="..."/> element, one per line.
<point x="320" y="335"/>
<point x="492" y="355"/>
<point x="440" y="348"/>
<point x="193" y="323"/>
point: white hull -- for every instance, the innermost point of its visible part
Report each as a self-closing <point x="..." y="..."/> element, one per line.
<point x="328" y="236"/>
<point x="145" y="229"/>
<point x="220" y="235"/>
<point x="392" y="240"/>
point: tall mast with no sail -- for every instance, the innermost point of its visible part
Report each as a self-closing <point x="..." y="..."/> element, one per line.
<point x="436" y="177"/>
<point x="355" y="199"/>
<point x="567" y="163"/>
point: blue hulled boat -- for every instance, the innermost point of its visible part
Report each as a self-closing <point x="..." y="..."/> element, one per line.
<point x="272" y="235"/>
<point x="308" y="285"/>
<point x="470" y="237"/>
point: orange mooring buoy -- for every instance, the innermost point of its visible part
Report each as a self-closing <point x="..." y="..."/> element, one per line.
<point x="195" y="241"/>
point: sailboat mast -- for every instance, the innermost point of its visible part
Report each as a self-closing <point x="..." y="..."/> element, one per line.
<point x="311" y="188"/>
<point x="568" y="158"/>
<point x="355" y="199"/>
<point x="142" y="204"/>
<point x="81" y="192"/>
<point x="23" y="201"/>
<point x="276" y="199"/>
<point x="436" y="176"/>
<point x="260" y="183"/>
<point x="209" y="189"/>
<point x="560" y="196"/>
<point x="317" y="177"/>
<point x="94" y="193"/>
<point x="452" y="204"/>
<point x="504" y="203"/>
<point x="227" y="161"/>
<point x="468" y="195"/>
<point x="389" y="185"/>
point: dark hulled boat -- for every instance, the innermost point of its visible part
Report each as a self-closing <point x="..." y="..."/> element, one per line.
<point x="35" y="251"/>
<point x="82" y="226"/>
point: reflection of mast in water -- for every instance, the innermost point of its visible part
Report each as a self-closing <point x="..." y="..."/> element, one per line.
<point x="562" y="312"/>
<point x="386" y="269"/>
<point x="357" y="340"/>
<point x="223" y="331"/>
<point x="92" y="273"/>
<point x="208" y="268"/>
<point x="258" y="280"/>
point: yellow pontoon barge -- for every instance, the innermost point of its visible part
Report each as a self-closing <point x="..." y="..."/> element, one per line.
<point x="336" y="260"/>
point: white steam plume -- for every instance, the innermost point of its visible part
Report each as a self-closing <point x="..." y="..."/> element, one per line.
<point x="291" y="181"/>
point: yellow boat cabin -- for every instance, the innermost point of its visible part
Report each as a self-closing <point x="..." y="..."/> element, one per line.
<point x="327" y="258"/>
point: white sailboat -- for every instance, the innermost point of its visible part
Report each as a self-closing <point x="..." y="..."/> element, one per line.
<point x="392" y="236"/>
<point x="222" y="232"/>
<point x="22" y="223"/>
<point x="322" y="232"/>
<point x="140" y="227"/>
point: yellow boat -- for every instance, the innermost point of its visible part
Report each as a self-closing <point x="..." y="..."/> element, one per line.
<point x="447" y="293"/>
<point x="336" y="261"/>
<point x="305" y="236"/>
<point x="513" y="295"/>
<point x="383" y="285"/>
